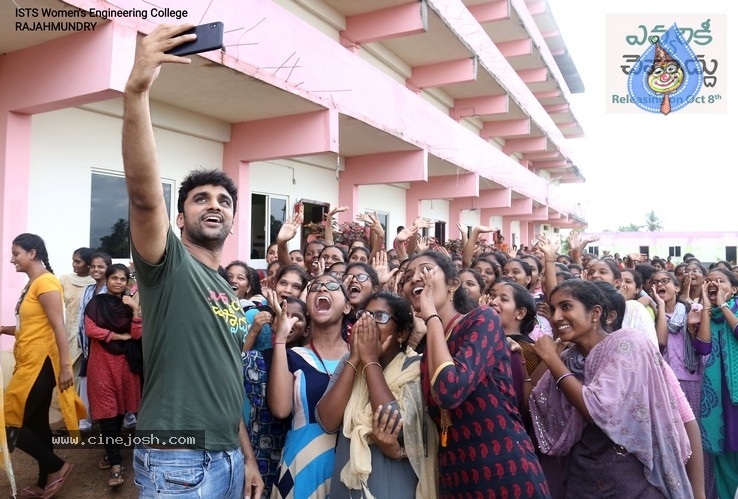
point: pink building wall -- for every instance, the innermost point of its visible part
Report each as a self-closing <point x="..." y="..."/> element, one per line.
<point x="92" y="66"/>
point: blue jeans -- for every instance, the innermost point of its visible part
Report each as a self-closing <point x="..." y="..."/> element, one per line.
<point x="188" y="474"/>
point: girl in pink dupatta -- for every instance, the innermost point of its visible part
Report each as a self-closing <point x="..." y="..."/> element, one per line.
<point x="607" y="403"/>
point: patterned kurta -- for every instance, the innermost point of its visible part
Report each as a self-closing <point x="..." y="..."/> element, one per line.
<point x="489" y="454"/>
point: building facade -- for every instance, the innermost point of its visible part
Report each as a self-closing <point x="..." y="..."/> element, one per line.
<point x="707" y="246"/>
<point x="448" y="109"/>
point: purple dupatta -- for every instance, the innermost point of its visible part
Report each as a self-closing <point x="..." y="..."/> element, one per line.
<point x="627" y="396"/>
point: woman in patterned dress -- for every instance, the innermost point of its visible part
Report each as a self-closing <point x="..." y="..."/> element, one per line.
<point x="466" y="375"/>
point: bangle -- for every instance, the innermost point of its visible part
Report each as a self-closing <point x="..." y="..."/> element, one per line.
<point x="431" y="316"/>
<point x="350" y="364"/>
<point x="279" y="343"/>
<point x="402" y="454"/>
<point x="527" y="380"/>
<point x="723" y="305"/>
<point x="565" y="375"/>
<point x="550" y="261"/>
<point x="370" y="364"/>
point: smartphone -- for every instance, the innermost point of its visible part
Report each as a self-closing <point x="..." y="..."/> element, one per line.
<point x="209" y="37"/>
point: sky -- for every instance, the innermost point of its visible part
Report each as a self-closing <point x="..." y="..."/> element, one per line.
<point x="681" y="165"/>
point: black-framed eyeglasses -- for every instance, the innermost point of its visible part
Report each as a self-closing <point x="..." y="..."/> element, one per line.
<point x="379" y="316"/>
<point x="360" y="277"/>
<point x="317" y="286"/>
<point x="336" y="274"/>
<point x="661" y="282"/>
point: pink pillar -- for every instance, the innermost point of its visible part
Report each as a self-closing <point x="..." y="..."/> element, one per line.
<point x="15" y="159"/>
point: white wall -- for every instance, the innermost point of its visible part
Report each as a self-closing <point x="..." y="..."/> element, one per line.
<point x="438" y="210"/>
<point x="387" y="198"/>
<point x="67" y="145"/>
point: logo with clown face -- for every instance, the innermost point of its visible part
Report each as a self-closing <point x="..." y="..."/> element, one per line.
<point x="665" y="77"/>
<point x="673" y="77"/>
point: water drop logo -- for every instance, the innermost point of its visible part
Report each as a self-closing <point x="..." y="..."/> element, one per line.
<point x="667" y="76"/>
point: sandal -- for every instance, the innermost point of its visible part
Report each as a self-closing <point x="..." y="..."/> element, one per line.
<point x="116" y="476"/>
<point x="28" y="493"/>
<point x="103" y="463"/>
<point x="53" y="487"/>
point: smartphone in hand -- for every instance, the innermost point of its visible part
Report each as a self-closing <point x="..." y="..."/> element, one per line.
<point x="209" y="37"/>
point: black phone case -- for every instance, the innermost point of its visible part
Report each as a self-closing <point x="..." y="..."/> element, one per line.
<point x="209" y="37"/>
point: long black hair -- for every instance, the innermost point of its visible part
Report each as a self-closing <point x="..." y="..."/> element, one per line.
<point x="30" y="242"/>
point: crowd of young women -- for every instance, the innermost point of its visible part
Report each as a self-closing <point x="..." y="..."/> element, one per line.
<point x="417" y="373"/>
<point x="494" y="373"/>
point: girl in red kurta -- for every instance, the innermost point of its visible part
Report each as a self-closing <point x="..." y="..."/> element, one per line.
<point x="113" y="321"/>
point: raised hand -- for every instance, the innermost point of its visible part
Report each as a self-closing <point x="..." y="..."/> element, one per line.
<point x="150" y="55"/>
<point x="422" y="244"/>
<point x="549" y="248"/>
<point x="422" y="222"/>
<point x="463" y="229"/>
<point x="289" y="228"/>
<point x="282" y="324"/>
<point x="406" y="233"/>
<point x="384" y="274"/>
<point x="333" y="211"/>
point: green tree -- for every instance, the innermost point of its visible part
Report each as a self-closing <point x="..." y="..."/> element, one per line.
<point x="116" y="244"/>
<point x="629" y="228"/>
<point x="653" y="224"/>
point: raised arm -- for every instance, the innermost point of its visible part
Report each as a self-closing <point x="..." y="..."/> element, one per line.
<point x="377" y="234"/>
<point x="549" y="249"/>
<point x="148" y="215"/>
<point x="471" y="245"/>
<point x="281" y="381"/>
<point x="287" y="232"/>
<point x="328" y="234"/>
<point x="402" y="237"/>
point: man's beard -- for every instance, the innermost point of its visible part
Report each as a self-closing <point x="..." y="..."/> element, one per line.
<point x="207" y="238"/>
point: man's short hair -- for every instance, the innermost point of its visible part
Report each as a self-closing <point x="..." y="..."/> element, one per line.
<point x="197" y="178"/>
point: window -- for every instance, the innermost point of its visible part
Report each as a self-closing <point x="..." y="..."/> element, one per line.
<point x="440" y="232"/>
<point x="268" y="213"/>
<point x="109" y="213"/>
<point x="593" y="250"/>
<point x="730" y="254"/>
<point x="675" y="251"/>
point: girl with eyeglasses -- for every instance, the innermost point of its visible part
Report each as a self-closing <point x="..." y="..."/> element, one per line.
<point x="374" y="402"/>
<point x="298" y="378"/>
<point x="360" y="281"/>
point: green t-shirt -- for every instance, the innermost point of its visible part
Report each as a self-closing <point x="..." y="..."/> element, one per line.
<point x="193" y="328"/>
